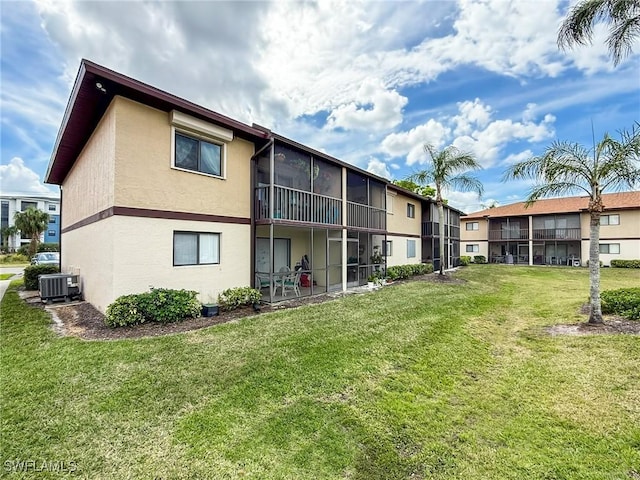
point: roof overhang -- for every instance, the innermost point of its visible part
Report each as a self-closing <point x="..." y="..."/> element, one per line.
<point x="94" y="89"/>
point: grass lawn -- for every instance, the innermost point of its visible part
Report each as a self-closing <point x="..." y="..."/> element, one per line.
<point x="6" y="276"/>
<point x="418" y="380"/>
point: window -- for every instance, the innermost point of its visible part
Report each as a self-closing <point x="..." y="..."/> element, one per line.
<point x="387" y="248"/>
<point x="193" y="248"/>
<point x="52" y="219"/>
<point x="411" y="248"/>
<point x="52" y="208"/>
<point x="610" y="219"/>
<point x="51" y="233"/>
<point x="411" y="210"/>
<point x="473" y="226"/>
<point x="198" y="155"/>
<point x="473" y="248"/>
<point x="390" y="204"/>
<point x="26" y="205"/>
<point x="612" y="248"/>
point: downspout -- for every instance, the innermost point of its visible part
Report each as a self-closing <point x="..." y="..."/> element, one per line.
<point x="60" y="233"/>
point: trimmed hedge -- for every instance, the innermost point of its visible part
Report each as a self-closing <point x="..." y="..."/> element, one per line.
<point x="625" y="263"/>
<point x="32" y="272"/>
<point x="479" y="259"/>
<point x="232" y="298"/>
<point x="465" y="260"/>
<point x="161" y="305"/>
<point x="623" y="301"/>
<point x="400" y="272"/>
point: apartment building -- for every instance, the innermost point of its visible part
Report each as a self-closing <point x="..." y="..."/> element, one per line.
<point x="158" y="191"/>
<point x="554" y="231"/>
<point x="10" y="203"/>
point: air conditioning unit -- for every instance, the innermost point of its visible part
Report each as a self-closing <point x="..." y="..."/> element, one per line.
<point x="59" y="285"/>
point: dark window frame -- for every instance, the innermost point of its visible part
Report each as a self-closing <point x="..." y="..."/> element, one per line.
<point x="411" y="210"/>
<point x="199" y="169"/>
<point x="197" y="234"/>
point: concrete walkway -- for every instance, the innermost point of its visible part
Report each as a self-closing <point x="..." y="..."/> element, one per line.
<point x="4" y="284"/>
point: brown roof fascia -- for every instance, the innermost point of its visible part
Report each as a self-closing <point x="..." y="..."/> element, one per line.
<point x="87" y="104"/>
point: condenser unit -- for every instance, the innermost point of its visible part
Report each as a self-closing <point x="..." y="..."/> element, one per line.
<point x="59" y="285"/>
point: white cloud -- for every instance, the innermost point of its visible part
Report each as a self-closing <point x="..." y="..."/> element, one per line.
<point x="466" y="201"/>
<point x="374" y="108"/>
<point x="483" y="136"/>
<point x="411" y="143"/>
<point x="379" y="168"/>
<point x="16" y="177"/>
<point x="518" y="157"/>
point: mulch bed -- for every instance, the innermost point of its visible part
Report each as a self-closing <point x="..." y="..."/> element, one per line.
<point x="81" y="319"/>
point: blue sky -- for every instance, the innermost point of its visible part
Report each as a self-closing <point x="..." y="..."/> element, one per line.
<point x="367" y="82"/>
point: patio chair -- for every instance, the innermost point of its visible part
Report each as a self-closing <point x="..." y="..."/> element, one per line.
<point x="292" y="282"/>
<point x="279" y="279"/>
<point x="262" y="281"/>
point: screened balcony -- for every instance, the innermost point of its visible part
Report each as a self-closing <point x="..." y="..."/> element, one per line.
<point x="297" y="206"/>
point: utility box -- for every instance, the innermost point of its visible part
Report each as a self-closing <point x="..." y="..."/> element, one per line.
<point x="59" y="285"/>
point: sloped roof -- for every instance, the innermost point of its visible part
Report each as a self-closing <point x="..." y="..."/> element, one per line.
<point x="611" y="201"/>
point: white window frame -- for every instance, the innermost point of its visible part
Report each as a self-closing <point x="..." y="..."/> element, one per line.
<point x="475" y="248"/>
<point x="608" y="221"/>
<point x="198" y="252"/>
<point x="197" y="129"/>
<point x="474" y="226"/>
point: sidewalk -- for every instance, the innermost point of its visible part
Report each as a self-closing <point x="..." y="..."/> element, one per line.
<point x="4" y="284"/>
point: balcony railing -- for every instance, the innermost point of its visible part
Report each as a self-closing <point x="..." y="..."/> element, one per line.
<point x="298" y="206"/>
<point x="364" y="216"/>
<point x="557" y="234"/>
<point x="522" y="234"/>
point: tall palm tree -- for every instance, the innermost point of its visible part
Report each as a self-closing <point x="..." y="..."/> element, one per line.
<point x="623" y="17"/>
<point x="31" y="223"/>
<point x="447" y="169"/>
<point x="567" y="167"/>
<point x="7" y="233"/>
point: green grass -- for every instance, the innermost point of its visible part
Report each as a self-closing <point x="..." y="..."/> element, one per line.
<point x="6" y="276"/>
<point x="417" y="380"/>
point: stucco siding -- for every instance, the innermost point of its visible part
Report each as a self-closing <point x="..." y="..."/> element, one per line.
<point x="399" y="250"/>
<point x="89" y="187"/>
<point x="399" y="222"/>
<point x="89" y="252"/>
<point x="145" y="257"/>
<point x="145" y="177"/>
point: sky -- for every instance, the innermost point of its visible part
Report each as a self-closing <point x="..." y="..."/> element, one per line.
<point x="366" y="82"/>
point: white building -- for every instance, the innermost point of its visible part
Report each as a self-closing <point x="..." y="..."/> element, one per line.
<point x="10" y="203"/>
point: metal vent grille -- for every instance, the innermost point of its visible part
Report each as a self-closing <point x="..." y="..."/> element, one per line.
<point x="58" y="285"/>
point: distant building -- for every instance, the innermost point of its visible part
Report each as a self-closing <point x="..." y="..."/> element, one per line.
<point x="554" y="231"/>
<point x="48" y="203"/>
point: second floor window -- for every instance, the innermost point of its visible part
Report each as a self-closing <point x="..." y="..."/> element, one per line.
<point x="472" y="226"/>
<point x="610" y="219"/>
<point x="198" y="155"/>
<point x="411" y="210"/>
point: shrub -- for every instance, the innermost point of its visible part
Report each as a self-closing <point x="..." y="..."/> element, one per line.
<point x="24" y="250"/>
<point x="48" y="247"/>
<point x="400" y="272"/>
<point x="232" y="298"/>
<point x="161" y="305"/>
<point x="125" y="311"/>
<point x="465" y="260"/>
<point x="625" y="263"/>
<point x="623" y="301"/>
<point x="32" y="272"/>
<point x="479" y="259"/>
<point x="14" y="258"/>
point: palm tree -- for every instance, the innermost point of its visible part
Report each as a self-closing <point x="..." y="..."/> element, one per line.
<point x="31" y="223"/>
<point x="447" y="169"/>
<point x="623" y="17"/>
<point x="567" y="167"/>
<point x="7" y="233"/>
